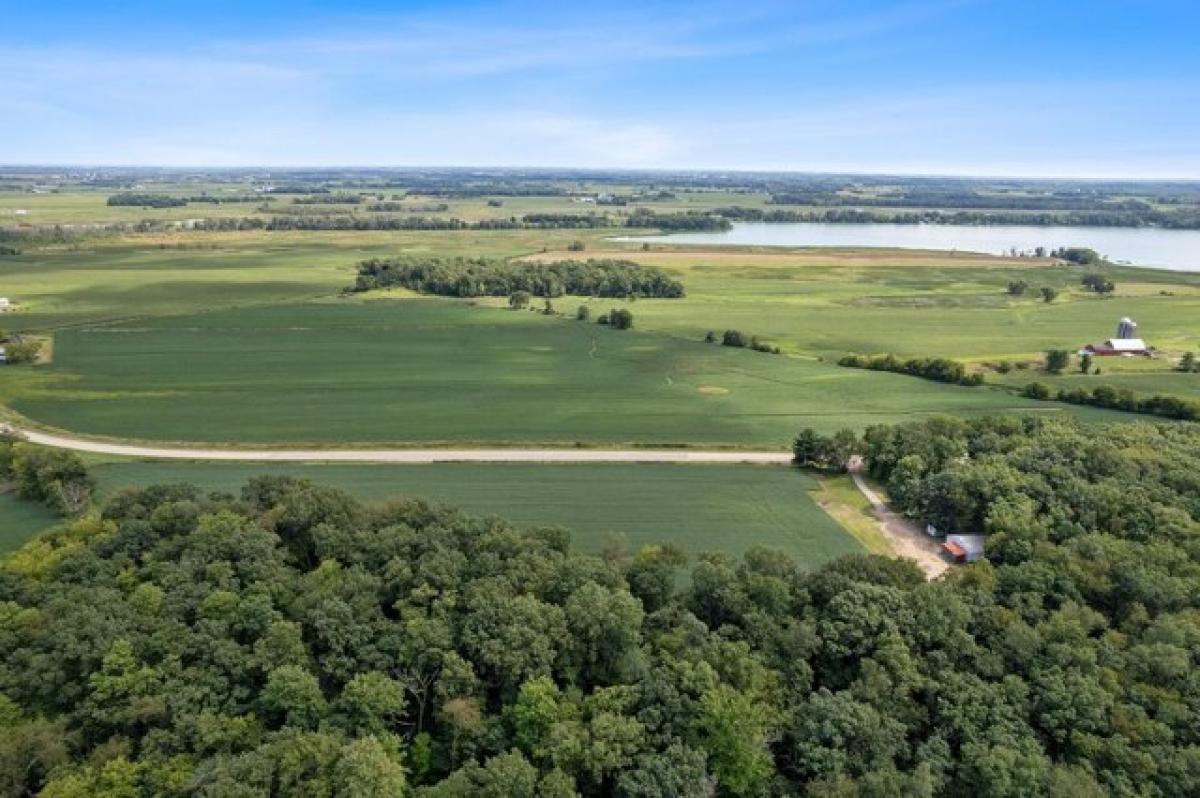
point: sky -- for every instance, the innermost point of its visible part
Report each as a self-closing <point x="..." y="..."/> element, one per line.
<point x="1083" y="88"/>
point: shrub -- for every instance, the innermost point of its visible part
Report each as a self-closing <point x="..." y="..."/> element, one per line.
<point x="23" y="351"/>
<point x="1098" y="283"/>
<point x="733" y="338"/>
<point x="1036" y="390"/>
<point x="1057" y="360"/>
<point x="583" y="313"/>
<point x="620" y="319"/>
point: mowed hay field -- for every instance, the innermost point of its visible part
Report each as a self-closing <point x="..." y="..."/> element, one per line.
<point x="429" y="371"/>
<point x="701" y="507"/>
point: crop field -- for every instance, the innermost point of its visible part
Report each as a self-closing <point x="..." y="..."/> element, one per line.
<point x="186" y="273"/>
<point x="21" y="520"/>
<point x="397" y="371"/>
<point x="700" y="507"/>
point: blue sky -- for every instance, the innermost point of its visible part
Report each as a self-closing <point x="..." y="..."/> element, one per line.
<point x="1095" y="88"/>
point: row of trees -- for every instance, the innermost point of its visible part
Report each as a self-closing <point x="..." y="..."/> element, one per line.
<point x="1019" y="287"/>
<point x="405" y="207"/>
<point x="1182" y="219"/>
<point x="338" y="198"/>
<point x="289" y="640"/>
<point x="939" y="369"/>
<point x="147" y="200"/>
<point x="922" y="197"/>
<point x="1106" y="396"/>
<point x="677" y="222"/>
<point x="739" y="340"/>
<point x="467" y="277"/>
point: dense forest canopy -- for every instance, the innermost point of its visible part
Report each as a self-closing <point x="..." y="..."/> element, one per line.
<point x="466" y="277"/>
<point x="293" y="641"/>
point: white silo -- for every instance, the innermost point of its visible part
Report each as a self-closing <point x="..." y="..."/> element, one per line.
<point x="1127" y="328"/>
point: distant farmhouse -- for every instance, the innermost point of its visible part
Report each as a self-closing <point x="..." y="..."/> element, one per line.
<point x="1125" y="343"/>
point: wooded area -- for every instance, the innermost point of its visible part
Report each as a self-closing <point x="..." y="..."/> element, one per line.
<point x="293" y="640"/>
<point x="466" y="277"/>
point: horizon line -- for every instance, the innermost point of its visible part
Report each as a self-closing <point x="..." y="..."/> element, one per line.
<point x="615" y="169"/>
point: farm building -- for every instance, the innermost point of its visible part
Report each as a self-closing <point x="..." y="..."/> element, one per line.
<point x="964" y="548"/>
<point x="1124" y="343"/>
<point x="5" y="303"/>
<point x="3" y="355"/>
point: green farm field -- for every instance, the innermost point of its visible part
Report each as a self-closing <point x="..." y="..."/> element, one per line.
<point x="241" y="338"/>
<point x="433" y="371"/>
<point x="21" y="520"/>
<point x="701" y="507"/>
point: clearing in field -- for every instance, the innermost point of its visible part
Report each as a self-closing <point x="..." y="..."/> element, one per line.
<point x="341" y="372"/>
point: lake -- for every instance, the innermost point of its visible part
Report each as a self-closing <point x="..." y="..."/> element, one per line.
<point x="1177" y="250"/>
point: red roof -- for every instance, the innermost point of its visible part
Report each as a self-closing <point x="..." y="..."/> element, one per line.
<point x="958" y="551"/>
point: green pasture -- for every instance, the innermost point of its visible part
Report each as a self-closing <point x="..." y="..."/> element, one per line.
<point x="701" y="507"/>
<point x="430" y="371"/>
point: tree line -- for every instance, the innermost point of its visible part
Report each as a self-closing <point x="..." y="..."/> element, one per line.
<point x="1124" y="399"/>
<point x="1184" y="219"/>
<point x="391" y="206"/>
<point x="939" y="369"/>
<point x="467" y="277"/>
<point x="147" y="200"/>
<point x="290" y="640"/>
<point x="152" y="200"/>
<point x="942" y="198"/>
<point x="332" y="198"/>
